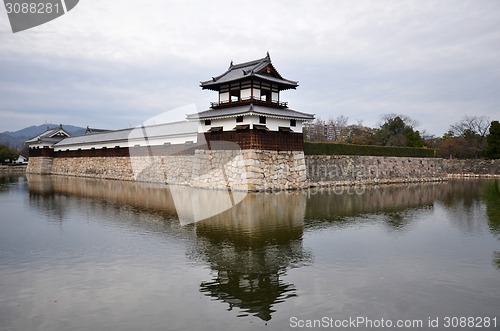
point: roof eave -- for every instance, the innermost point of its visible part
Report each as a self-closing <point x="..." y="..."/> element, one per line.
<point x="253" y="113"/>
<point x="285" y="84"/>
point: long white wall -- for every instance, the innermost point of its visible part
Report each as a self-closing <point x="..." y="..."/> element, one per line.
<point x="155" y="141"/>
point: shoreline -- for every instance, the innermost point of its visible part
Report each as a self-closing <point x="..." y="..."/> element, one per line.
<point x="21" y="170"/>
<point x="15" y="169"/>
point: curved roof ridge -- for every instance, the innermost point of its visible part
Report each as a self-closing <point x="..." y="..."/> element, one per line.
<point x="239" y="71"/>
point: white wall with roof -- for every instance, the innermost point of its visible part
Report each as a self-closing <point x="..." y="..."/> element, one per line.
<point x="272" y="123"/>
<point x="154" y="135"/>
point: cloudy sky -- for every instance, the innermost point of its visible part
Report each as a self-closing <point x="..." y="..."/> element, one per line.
<point x="114" y="63"/>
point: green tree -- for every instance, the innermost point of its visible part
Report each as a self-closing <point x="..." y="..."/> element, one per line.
<point x="493" y="141"/>
<point x="360" y="135"/>
<point x="7" y="154"/>
<point x="397" y="130"/>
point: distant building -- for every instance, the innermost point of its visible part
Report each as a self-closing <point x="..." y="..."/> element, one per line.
<point x="21" y="160"/>
<point x="42" y="144"/>
<point x="321" y="131"/>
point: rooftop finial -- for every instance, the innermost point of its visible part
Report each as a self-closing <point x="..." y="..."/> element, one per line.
<point x="267" y="55"/>
<point x="231" y="64"/>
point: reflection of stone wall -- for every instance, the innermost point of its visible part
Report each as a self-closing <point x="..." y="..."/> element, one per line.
<point x="344" y="202"/>
<point x="18" y="169"/>
<point x="336" y="169"/>
<point x="150" y="196"/>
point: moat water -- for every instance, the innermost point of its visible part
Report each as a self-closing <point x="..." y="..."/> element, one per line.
<point x="84" y="254"/>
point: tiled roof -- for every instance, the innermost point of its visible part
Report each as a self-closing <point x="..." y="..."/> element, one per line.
<point x="94" y="130"/>
<point x="118" y="135"/>
<point x="250" y="109"/>
<point x="249" y="69"/>
<point x="151" y="131"/>
<point x="49" y="135"/>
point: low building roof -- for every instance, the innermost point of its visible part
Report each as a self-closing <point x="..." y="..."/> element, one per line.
<point x="250" y="110"/>
<point x="51" y="134"/>
<point x="260" y="68"/>
<point x="148" y="132"/>
<point x="90" y="130"/>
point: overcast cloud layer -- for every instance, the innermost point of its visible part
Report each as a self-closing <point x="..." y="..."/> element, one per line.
<point x="114" y="63"/>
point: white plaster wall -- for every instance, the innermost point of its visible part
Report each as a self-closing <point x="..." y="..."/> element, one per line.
<point x="245" y="94"/>
<point x="275" y="96"/>
<point x="272" y="124"/>
<point x="224" y="97"/>
<point x="173" y="140"/>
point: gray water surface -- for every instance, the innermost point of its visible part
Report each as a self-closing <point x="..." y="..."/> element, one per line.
<point x="85" y="254"/>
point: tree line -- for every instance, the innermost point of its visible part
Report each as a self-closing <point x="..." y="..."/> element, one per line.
<point x="7" y="155"/>
<point x="471" y="137"/>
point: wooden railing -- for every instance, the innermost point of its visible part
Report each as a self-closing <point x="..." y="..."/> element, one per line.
<point x="249" y="100"/>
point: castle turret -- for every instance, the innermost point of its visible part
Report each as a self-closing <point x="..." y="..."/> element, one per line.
<point x="249" y="109"/>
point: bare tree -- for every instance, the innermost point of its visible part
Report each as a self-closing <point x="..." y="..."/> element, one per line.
<point x="471" y="124"/>
<point x="473" y="129"/>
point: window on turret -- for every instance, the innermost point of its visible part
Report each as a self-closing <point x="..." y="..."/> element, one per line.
<point x="262" y="119"/>
<point x="265" y="95"/>
<point x="239" y="119"/>
<point x="293" y="122"/>
<point x="235" y="95"/>
<point x="208" y="122"/>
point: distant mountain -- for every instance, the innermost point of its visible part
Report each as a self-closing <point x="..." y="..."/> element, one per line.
<point x="16" y="139"/>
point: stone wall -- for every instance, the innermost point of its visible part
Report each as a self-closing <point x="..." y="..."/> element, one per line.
<point x="251" y="169"/>
<point x="262" y="170"/>
<point x="40" y="165"/>
<point x="466" y="168"/>
<point x="326" y="170"/>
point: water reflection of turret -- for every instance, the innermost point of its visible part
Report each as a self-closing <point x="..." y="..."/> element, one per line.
<point x="249" y="248"/>
<point x="249" y="241"/>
